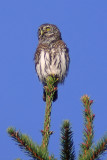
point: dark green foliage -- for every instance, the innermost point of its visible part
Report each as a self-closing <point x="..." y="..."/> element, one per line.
<point x="89" y="151"/>
<point x="88" y="132"/>
<point x="67" y="146"/>
<point x="100" y="147"/>
<point x="50" y="90"/>
<point x="25" y="143"/>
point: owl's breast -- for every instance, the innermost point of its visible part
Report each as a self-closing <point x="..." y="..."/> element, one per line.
<point x="51" y="64"/>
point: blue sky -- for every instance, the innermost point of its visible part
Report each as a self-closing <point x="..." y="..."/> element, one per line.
<point x="83" y="25"/>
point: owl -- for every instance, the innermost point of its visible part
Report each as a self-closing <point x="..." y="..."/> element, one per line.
<point x="51" y="56"/>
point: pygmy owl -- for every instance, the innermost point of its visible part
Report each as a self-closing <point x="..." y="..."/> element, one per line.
<point x="51" y="56"/>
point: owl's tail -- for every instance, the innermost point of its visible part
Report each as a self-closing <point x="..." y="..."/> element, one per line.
<point x="54" y="98"/>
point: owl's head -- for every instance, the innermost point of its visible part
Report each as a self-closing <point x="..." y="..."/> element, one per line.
<point x="48" y="33"/>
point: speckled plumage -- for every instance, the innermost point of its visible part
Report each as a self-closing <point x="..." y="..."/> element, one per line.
<point x="51" y="55"/>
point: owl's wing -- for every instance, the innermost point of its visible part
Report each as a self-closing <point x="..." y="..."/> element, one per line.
<point x="40" y="48"/>
<point x="42" y="61"/>
<point x="61" y="47"/>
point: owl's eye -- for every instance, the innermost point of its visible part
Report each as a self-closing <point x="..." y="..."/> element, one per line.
<point x="48" y="29"/>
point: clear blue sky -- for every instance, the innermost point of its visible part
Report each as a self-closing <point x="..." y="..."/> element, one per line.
<point x="83" y="25"/>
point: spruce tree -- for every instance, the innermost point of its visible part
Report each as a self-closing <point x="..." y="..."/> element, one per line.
<point x="88" y="150"/>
